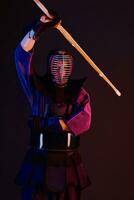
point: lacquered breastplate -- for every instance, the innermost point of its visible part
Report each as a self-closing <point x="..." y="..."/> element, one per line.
<point x="58" y="106"/>
<point x="60" y="109"/>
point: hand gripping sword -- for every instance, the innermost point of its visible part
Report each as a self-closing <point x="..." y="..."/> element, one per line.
<point x="71" y="40"/>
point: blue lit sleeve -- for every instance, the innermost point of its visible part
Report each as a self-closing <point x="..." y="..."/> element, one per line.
<point x="23" y="67"/>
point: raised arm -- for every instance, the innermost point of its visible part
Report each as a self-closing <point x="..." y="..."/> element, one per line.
<point x="38" y="28"/>
<point x="24" y="53"/>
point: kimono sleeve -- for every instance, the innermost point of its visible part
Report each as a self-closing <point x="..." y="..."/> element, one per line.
<point x="23" y="67"/>
<point x="79" y="121"/>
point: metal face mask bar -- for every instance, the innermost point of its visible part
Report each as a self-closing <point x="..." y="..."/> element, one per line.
<point x="61" y="67"/>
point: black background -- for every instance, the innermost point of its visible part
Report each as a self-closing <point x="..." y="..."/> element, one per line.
<point x="105" y="30"/>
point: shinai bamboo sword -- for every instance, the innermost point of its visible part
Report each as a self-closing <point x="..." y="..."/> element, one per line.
<point x="71" y="40"/>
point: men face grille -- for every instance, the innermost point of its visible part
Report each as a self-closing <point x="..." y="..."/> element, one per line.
<point x="61" y="68"/>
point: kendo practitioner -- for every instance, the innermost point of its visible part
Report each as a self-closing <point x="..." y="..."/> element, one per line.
<point x="60" y="112"/>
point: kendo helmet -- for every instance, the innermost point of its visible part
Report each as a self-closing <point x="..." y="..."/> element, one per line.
<point x="60" y="64"/>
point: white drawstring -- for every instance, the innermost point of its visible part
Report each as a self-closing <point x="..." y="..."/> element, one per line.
<point x="41" y="141"/>
<point x="69" y="139"/>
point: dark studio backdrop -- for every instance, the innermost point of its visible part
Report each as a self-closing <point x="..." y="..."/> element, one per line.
<point x="105" y="30"/>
